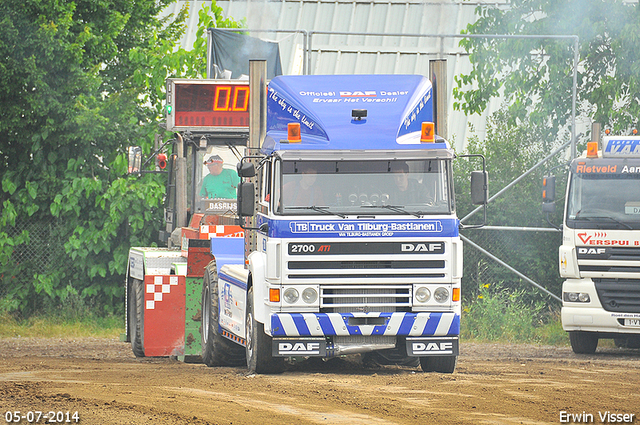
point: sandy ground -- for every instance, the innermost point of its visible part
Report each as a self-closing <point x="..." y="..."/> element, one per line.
<point x="104" y="383"/>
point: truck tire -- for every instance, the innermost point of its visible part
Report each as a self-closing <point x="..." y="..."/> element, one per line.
<point x="258" y="348"/>
<point x="440" y="364"/>
<point x="583" y="342"/>
<point x="627" y="342"/>
<point x="136" y="317"/>
<point x="216" y="349"/>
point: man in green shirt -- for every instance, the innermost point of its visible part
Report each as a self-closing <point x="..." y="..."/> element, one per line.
<point x="220" y="182"/>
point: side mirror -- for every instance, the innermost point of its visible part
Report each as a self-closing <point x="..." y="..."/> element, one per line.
<point x="549" y="194"/>
<point x="549" y="189"/>
<point x="246" y="201"/>
<point x="479" y="187"/>
<point x="135" y="159"/>
<point x="246" y="169"/>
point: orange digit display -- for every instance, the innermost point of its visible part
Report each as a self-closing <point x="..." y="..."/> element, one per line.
<point x="210" y="104"/>
<point x="241" y="99"/>
<point x="221" y="102"/>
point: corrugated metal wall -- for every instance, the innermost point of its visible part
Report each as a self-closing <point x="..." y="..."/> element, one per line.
<point x="398" y="40"/>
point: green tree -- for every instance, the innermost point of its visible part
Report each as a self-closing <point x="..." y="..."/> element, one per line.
<point x="79" y="81"/>
<point x="534" y="75"/>
<point x="510" y="151"/>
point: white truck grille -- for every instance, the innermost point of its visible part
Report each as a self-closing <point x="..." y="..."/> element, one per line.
<point x="369" y="298"/>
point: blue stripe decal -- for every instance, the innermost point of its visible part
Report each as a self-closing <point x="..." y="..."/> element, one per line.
<point x="455" y="326"/>
<point x="300" y="323"/>
<point x="296" y="325"/>
<point x="325" y="324"/>
<point x="236" y="282"/>
<point x="277" y="329"/>
<point x="381" y="329"/>
<point x="353" y="330"/>
<point x="407" y="323"/>
<point x="432" y="324"/>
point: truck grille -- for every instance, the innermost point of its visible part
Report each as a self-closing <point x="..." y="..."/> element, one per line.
<point x="608" y="260"/>
<point x="360" y="298"/>
<point x="364" y="269"/>
<point x="619" y="295"/>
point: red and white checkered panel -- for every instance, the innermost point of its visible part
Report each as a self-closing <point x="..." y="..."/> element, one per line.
<point x="164" y="315"/>
<point x="161" y="285"/>
<point x="221" y="231"/>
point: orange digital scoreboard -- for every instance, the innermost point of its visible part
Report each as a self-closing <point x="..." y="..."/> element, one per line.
<point x="210" y="105"/>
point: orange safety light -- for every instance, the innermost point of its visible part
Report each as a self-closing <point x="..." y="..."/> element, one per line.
<point x="607" y="131"/>
<point x="274" y="295"/>
<point x="592" y="150"/>
<point x="456" y="294"/>
<point x="428" y="134"/>
<point x="162" y="160"/>
<point x="293" y="132"/>
<point x="635" y="131"/>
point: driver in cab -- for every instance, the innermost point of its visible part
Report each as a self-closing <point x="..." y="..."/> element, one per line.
<point x="220" y="183"/>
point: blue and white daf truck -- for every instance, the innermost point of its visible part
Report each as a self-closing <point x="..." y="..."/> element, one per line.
<point x="600" y="252"/>
<point x="351" y="234"/>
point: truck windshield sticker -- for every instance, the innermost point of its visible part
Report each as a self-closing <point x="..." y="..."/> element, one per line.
<point x="628" y="147"/>
<point x="355" y="228"/>
<point x="604" y="193"/>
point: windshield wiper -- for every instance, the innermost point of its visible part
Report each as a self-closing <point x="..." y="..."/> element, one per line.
<point x="324" y="210"/>
<point x="397" y="208"/>
<point x="603" y="217"/>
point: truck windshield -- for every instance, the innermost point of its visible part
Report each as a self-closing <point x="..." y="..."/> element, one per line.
<point x="216" y="180"/>
<point x="605" y="201"/>
<point x="381" y="187"/>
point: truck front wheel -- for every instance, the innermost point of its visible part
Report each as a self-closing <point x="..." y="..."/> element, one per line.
<point x="583" y="342"/>
<point x="216" y="349"/>
<point x="258" y="349"/>
<point x="440" y="364"/>
<point x="136" y="317"/>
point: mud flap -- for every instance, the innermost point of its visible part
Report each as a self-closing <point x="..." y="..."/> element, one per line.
<point x="440" y="346"/>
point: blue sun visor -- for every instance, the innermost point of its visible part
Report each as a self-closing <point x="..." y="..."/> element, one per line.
<point x="349" y="112"/>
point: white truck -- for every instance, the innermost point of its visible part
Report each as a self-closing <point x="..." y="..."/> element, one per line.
<point x="600" y="252"/>
<point x="352" y="239"/>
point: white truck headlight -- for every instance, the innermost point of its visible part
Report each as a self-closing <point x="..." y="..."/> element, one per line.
<point x="576" y="297"/>
<point x="291" y="295"/>
<point x="309" y="295"/>
<point x="423" y="294"/>
<point x="441" y="295"/>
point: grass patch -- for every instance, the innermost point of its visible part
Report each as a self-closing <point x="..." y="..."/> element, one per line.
<point x="499" y="315"/>
<point x="57" y="327"/>
<point x="74" y="318"/>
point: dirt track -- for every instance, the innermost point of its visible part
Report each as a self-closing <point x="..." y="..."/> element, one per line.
<point x="493" y="384"/>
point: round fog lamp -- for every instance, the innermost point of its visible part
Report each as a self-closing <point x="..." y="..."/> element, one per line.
<point x="441" y="295"/>
<point x="309" y="295"/>
<point x="583" y="298"/>
<point x="291" y="295"/>
<point x="572" y="296"/>
<point x="423" y="294"/>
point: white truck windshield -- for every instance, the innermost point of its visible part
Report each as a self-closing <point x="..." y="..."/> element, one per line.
<point x="610" y="201"/>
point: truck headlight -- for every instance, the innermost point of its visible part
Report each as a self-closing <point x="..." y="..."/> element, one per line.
<point x="576" y="297"/>
<point x="309" y="295"/>
<point x="423" y="294"/>
<point x="291" y="295"/>
<point x="441" y="295"/>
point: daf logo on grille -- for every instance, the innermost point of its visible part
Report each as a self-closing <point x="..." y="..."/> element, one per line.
<point x="592" y="251"/>
<point x="422" y="247"/>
